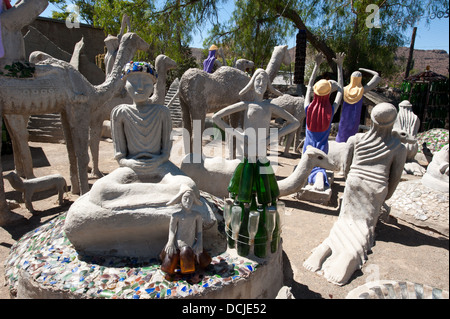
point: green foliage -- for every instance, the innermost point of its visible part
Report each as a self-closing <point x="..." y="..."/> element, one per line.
<point x="251" y="33"/>
<point x="19" y="70"/>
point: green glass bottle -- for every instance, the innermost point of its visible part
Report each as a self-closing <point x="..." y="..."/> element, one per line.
<point x="246" y="183"/>
<point x="274" y="190"/>
<point x="243" y="245"/>
<point x="260" y="248"/>
<point x="233" y="186"/>
<point x="262" y="184"/>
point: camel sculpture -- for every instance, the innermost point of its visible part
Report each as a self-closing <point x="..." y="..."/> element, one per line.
<point x="244" y="64"/>
<point x="295" y="106"/>
<point x="57" y="87"/>
<point x="213" y="174"/>
<point x="201" y="92"/>
<point x="16" y="124"/>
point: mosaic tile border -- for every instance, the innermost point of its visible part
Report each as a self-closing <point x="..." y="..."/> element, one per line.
<point x="52" y="262"/>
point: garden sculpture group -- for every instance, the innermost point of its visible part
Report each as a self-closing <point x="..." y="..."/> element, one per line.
<point x="150" y="207"/>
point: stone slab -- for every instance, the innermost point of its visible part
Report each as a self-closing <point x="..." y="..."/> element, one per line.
<point x="421" y="206"/>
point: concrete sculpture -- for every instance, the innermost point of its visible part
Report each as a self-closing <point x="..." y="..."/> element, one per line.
<point x="258" y="114"/>
<point x="29" y="187"/>
<point x="410" y="123"/>
<point x="184" y="248"/>
<point x="218" y="90"/>
<point x="211" y="63"/>
<point x="437" y="173"/>
<point x="244" y="65"/>
<point x="126" y="209"/>
<point x="12" y="51"/>
<point x="112" y="44"/>
<point x="319" y="115"/>
<point x="163" y="64"/>
<point x="57" y="87"/>
<point x="374" y="169"/>
<point x="351" y="108"/>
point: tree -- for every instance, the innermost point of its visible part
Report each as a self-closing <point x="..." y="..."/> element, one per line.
<point x="334" y="26"/>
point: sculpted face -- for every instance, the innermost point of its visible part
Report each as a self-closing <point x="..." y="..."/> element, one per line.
<point x="187" y="200"/>
<point x="260" y="84"/>
<point x="139" y="86"/>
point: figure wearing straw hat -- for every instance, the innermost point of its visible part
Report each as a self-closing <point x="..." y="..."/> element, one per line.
<point x="319" y="115"/>
<point x="351" y="108"/>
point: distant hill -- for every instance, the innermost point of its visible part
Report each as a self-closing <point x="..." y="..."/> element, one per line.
<point x="438" y="60"/>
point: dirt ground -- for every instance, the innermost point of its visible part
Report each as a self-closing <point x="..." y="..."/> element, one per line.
<point x="402" y="251"/>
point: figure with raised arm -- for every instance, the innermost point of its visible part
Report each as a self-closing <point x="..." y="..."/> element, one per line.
<point x="353" y="99"/>
<point x="319" y="115"/>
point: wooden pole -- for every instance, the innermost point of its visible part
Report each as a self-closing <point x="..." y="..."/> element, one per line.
<point x="411" y="52"/>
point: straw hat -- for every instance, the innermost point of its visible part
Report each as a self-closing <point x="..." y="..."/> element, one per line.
<point x="354" y="91"/>
<point x="322" y="87"/>
<point x="213" y="48"/>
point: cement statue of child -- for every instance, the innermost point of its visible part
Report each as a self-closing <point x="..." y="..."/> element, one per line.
<point x="184" y="248"/>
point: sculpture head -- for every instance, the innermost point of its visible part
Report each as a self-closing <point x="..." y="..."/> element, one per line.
<point x="112" y="43"/>
<point x="322" y="88"/>
<point x="355" y="90"/>
<point x="405" y="104"/>
<point x="140" y="78"/>
<point x="384" y="115"/>
<point x="259" y="83"/>
<point x="187" y="197"/>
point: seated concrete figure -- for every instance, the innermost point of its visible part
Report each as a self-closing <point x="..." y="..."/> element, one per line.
<point x="184" y="248"/>
<point x="143" y="184"/>
<point x="410" y="123"/>
<point x="142" y="144"/>
<point x="374" y="169"/>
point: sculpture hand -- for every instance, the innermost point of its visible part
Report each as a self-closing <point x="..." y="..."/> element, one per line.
<point x="197" y="249"/>
<point x="339" y="58"/>
<point x="319" y="58"/>
<point x="170" y="249"/>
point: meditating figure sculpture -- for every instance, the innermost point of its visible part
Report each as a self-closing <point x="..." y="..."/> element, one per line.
<point x="351" y="108"/>
<point x="184" y="248"/>
<point x="373" y="170"/>
<point x="126" y="211"/>
<point x="142" y="144"/>
<point x="319" y="115"/>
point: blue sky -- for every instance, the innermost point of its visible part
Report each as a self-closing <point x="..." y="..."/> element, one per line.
<point x="434" y="36"/>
